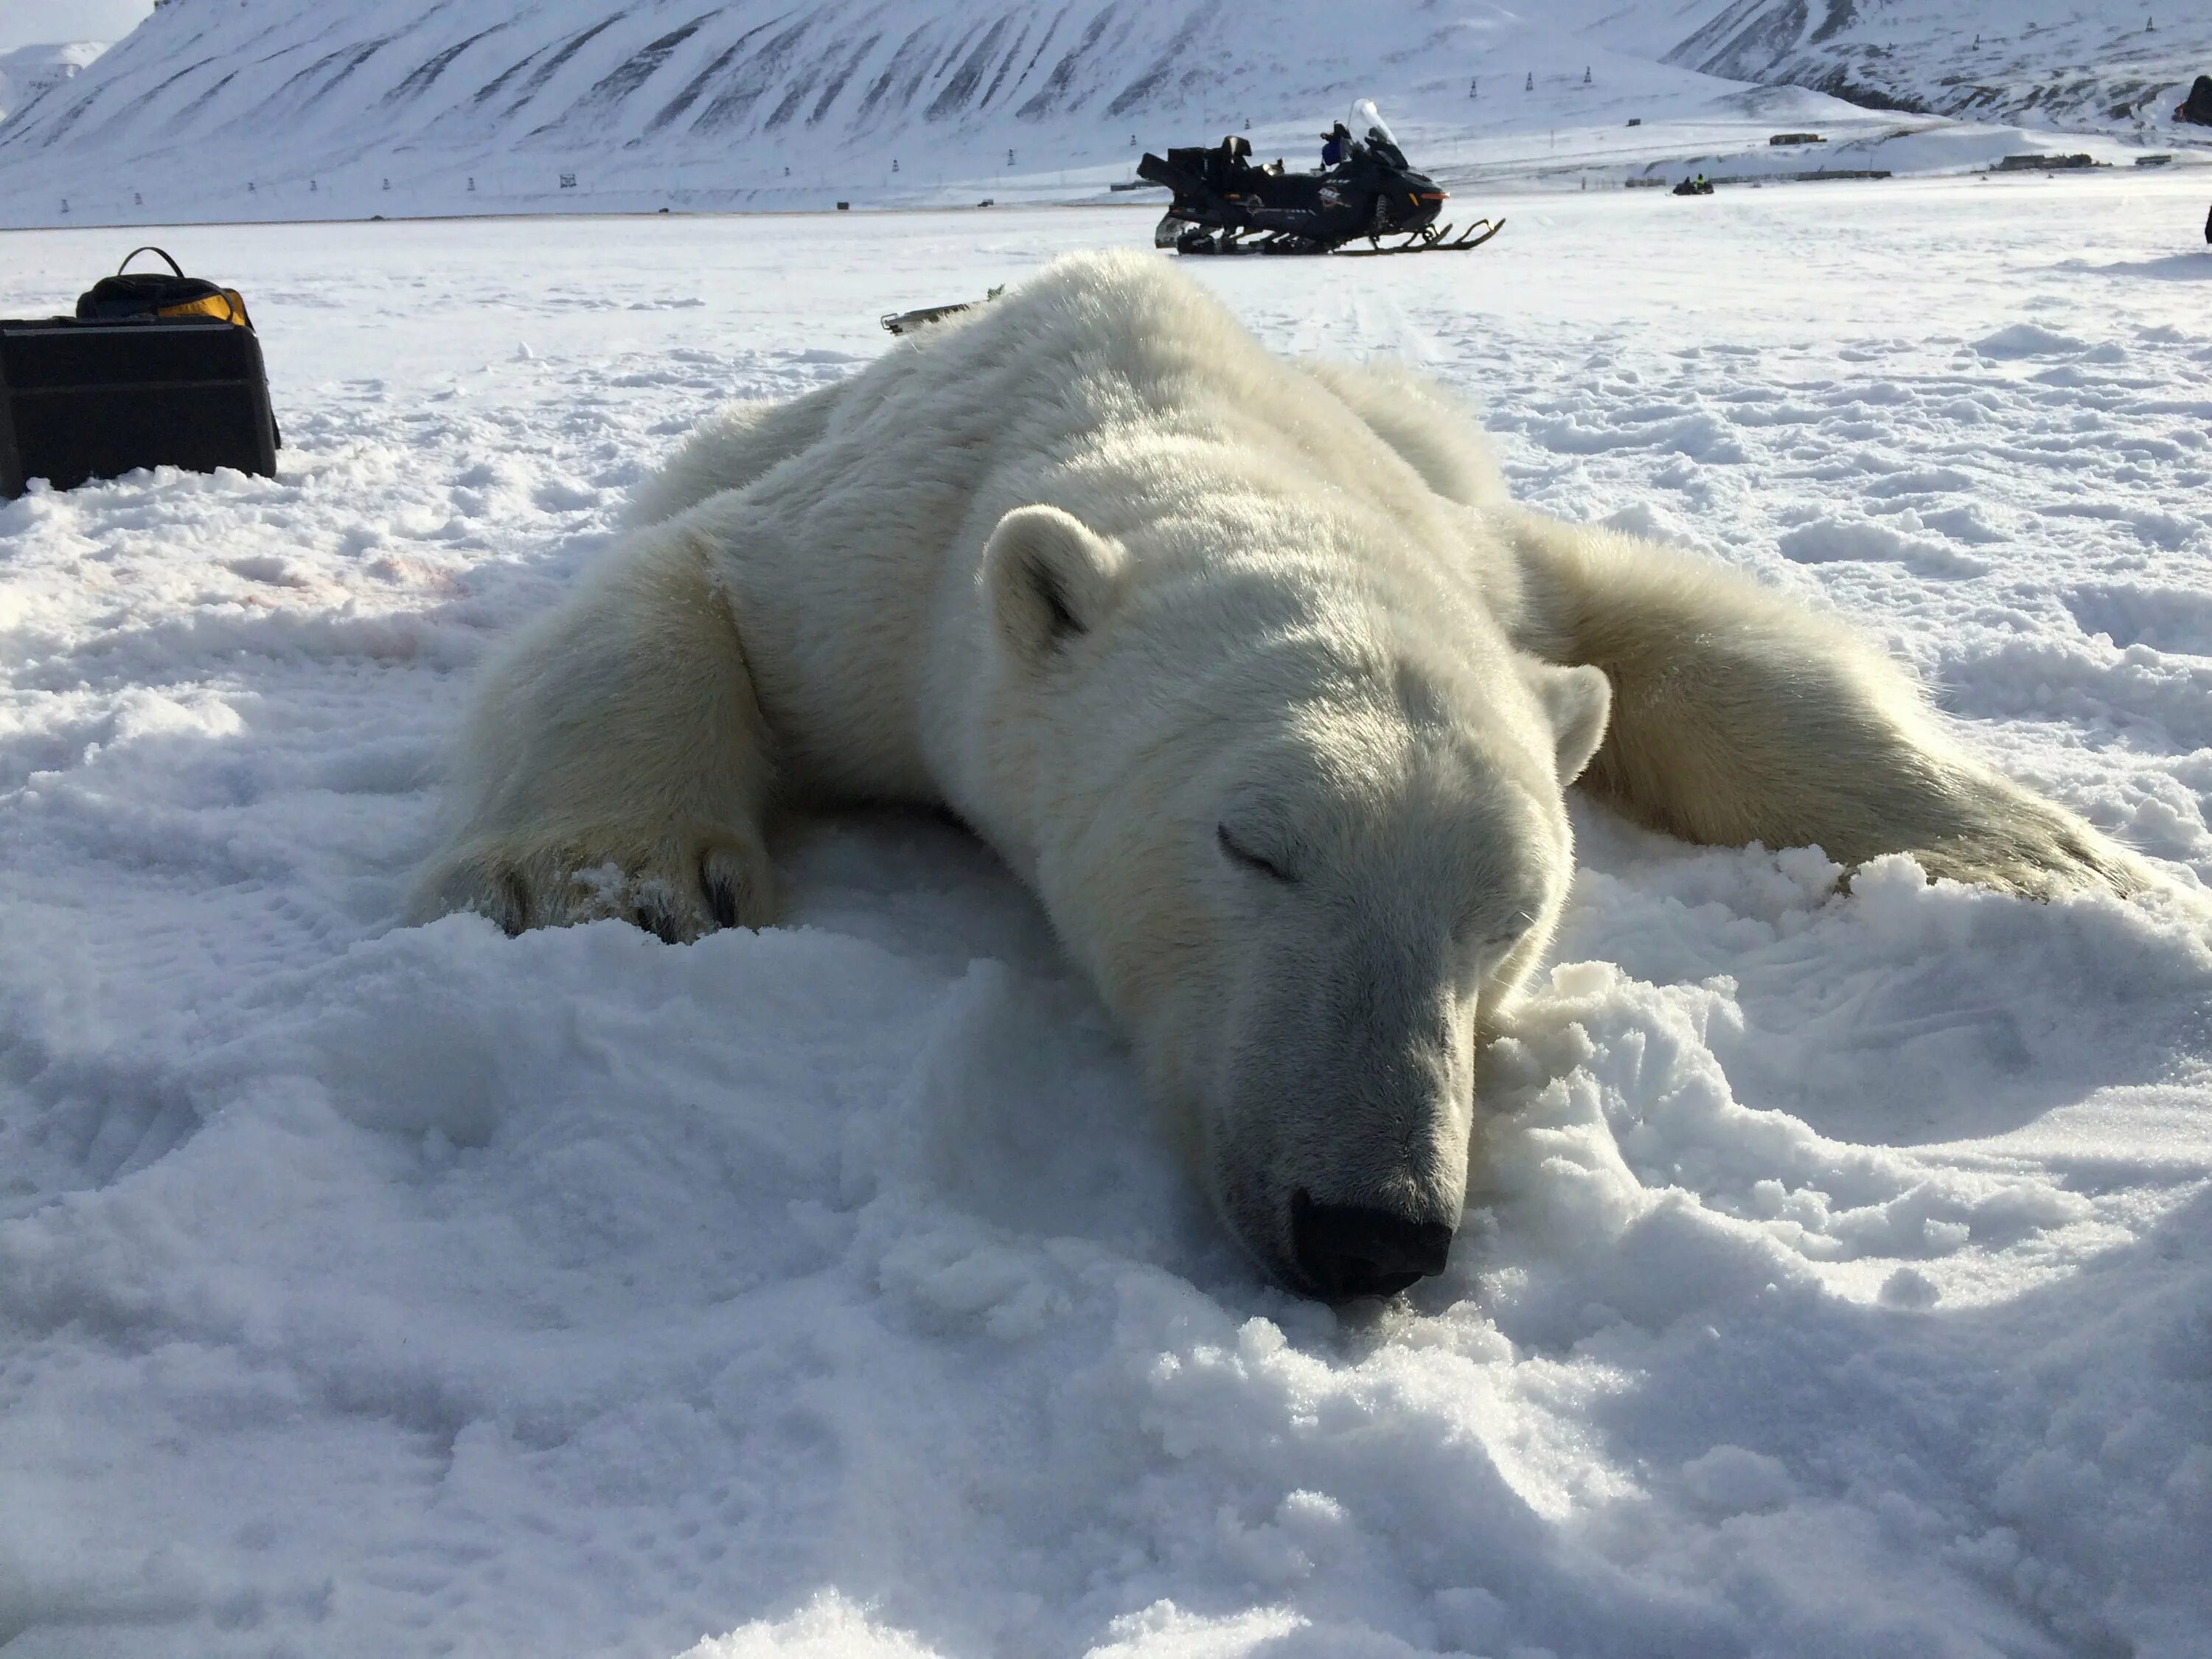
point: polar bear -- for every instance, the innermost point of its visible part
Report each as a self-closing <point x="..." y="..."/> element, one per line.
<point x="1249" y="669"/>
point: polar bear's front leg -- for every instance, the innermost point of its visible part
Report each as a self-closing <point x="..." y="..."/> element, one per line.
<point x="616" y="763"/>
<point x="1738" y="716"/>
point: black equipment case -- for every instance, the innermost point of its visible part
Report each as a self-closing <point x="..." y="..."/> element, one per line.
<point x="177" y="382"/>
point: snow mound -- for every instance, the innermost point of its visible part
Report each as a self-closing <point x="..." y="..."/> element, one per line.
<point x="2029" y="340"/>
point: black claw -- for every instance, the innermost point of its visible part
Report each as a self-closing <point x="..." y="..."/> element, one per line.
<point x="514" y="914"/>
<point x="722" y="902"/>
<point x="658" y="921"/>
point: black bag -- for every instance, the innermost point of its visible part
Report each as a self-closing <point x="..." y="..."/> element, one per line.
<point x="128" y="294"/>
<point x="153" y="370"/>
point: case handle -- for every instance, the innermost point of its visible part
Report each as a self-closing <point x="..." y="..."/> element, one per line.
<point x="149" y="248"/>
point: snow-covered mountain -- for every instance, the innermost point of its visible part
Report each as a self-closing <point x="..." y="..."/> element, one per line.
<point x="28" y="73"/>
<point x="2096" y="65"/>
<point x="636" y="102"/>
<point x="262" y="109"/>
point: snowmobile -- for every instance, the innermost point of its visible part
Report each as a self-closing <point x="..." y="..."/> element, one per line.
<point x="1225" y="204"/>
<point x="1699" y="185"/>
<point x="2197" y="106"/>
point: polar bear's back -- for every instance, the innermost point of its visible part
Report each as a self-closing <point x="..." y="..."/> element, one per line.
<point x="1099" y="343"/>
<point x="1100" y="351"/>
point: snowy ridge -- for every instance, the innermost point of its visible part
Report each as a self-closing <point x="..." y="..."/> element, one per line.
<point x="2094" y="67"/>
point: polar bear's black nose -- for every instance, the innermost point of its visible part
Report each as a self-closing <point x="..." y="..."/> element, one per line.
<point x="1346" y="1250"/>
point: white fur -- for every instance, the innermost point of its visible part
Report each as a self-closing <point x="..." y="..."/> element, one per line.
<point x="1249" y="669"/>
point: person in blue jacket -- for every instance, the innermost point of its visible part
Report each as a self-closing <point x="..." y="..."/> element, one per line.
<point x="1336" y="145"/>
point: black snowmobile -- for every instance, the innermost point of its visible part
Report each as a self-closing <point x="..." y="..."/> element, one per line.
<point x="1225" y="204"/>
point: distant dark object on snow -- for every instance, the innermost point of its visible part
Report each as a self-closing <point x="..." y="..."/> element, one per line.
<point x="905" y="322"/>
<point x="1367" y="190"/>
<point x="1796" y="138"/>
<point x="2197" y="106"/>
<point x="2043" y="163"/>
<point x="1636" y="120"/>
<point x="1699" y="185"/>
<point x="2162" y="159"/>
<point x="844" y="207"/>
<point x="987" y="202"/>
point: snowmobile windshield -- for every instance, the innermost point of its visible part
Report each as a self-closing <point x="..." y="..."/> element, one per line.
<point x="1380" y="141"/>
<point x="1368" y="121"/>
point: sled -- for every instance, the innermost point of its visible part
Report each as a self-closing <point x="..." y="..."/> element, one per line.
<point x="905" y="322"/>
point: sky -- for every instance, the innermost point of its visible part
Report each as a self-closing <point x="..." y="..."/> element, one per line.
<point x="39" y="22"/>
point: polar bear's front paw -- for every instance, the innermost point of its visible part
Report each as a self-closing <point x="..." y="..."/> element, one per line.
<point x="676" y="884"/>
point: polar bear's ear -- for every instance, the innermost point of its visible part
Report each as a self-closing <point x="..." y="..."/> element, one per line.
<point x="1577" y="702"/>
<point x="1050" y="578"/>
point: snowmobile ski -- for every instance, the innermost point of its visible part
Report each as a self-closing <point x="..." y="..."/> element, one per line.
<point x="1430" y="241"/>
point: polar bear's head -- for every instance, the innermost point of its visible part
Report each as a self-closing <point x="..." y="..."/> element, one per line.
<point x="1306" y="843"/>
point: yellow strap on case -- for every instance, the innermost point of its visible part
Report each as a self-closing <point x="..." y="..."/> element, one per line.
<point x="229" y="305"/>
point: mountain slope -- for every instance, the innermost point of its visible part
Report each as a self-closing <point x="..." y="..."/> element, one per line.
<point x="2102" y="65"/>
<point x="30" y="72"/>
<point x="261" y="109"/>
<point x="872" y="98"/>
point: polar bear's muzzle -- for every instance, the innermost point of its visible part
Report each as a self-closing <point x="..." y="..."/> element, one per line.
<point x="1348" y="1250"/>
<point x="1340" y="1119"/>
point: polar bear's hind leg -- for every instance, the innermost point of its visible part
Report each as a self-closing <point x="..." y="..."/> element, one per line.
<point x="1738" y="716"/>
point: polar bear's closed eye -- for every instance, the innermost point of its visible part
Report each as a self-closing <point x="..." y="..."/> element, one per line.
<point x="1274" y="866"/>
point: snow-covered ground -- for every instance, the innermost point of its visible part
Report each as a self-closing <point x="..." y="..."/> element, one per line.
<point x="1838" y="1279"/>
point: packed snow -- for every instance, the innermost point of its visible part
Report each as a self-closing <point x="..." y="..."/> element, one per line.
<point x="1838" y="1279"/>
<point x="286" y="109"/>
